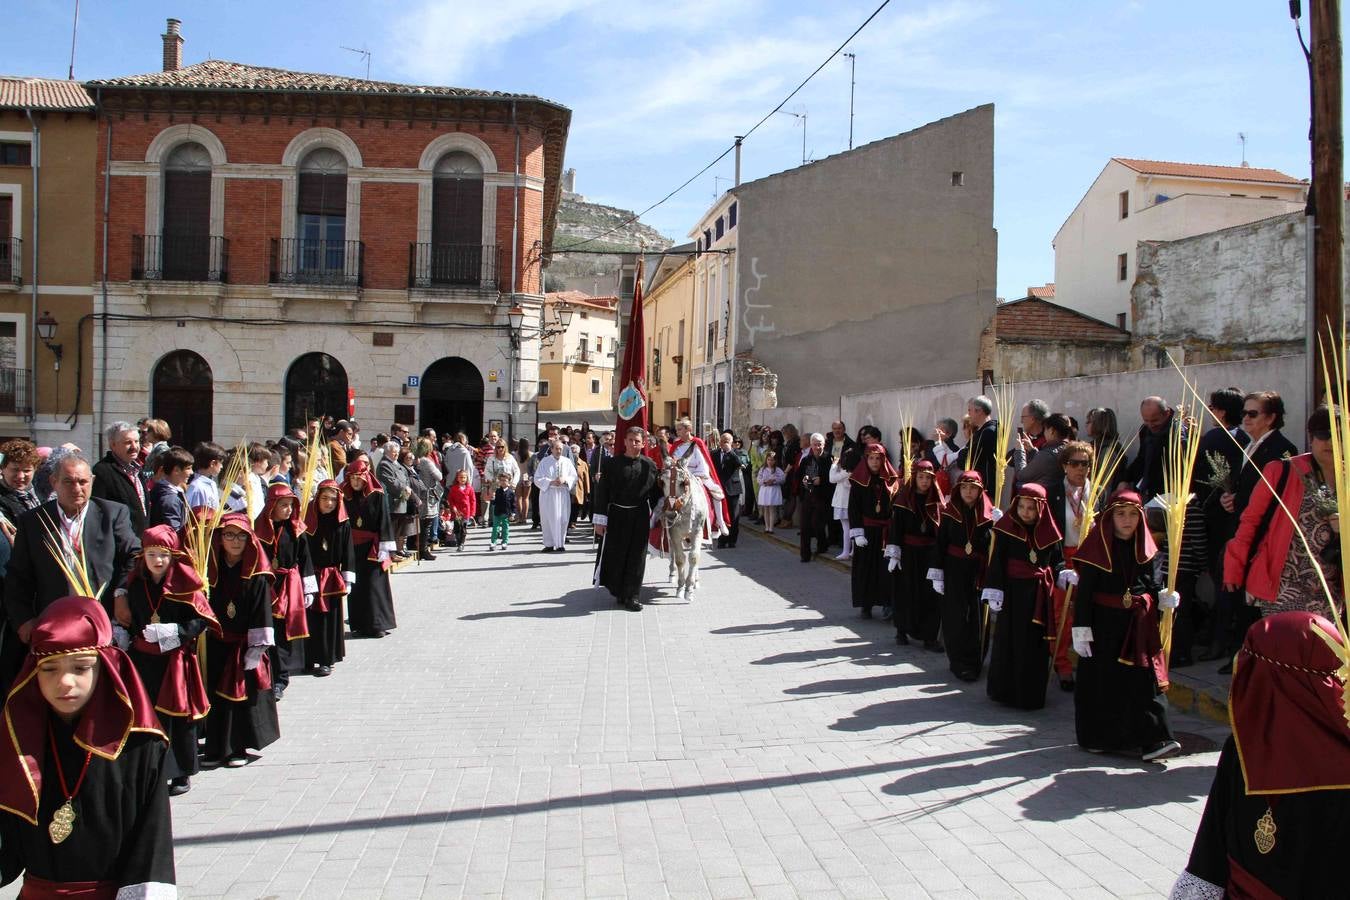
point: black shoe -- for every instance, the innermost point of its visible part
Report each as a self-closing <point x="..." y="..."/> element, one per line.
<point x="902" y="639"/>
<point x="546" y="550"/>
<point x="1210" y="654"/>
<point x="179" y="786"/>
<point x="534" y="527"/>
<point x="886" y="612"/>
<point x="968" y="676"/>
<point x="1067" y="685"/>
<point x="1161" y="750"/>
<point x="806" y="559"/>
<point x="1226" y="668"/>
<point x="323" y="671"/>
<point x="867" y="612"/>
<point x="631" y="605"/>
<point x="278" y="691"/>
<point x="427" y="555"/>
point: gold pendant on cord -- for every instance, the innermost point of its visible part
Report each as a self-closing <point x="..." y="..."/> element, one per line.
<point x="324" y="545"/>
<point x="1127" y="601"/>
<point x="1031" y="556"/>
<point x="63" y="823"/>
<point x="1265" y="833"/>
<point x="970" y="548"/>
<point x="154" y="618"/>
<point x="878" y="507"/>
<point x="230" y="610"/>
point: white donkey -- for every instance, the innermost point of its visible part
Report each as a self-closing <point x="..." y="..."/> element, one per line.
<point x="683" y="518"/>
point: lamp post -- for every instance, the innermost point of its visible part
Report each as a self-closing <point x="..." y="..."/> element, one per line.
<point x="46" y="330"/>
<point x="515" y="317"/>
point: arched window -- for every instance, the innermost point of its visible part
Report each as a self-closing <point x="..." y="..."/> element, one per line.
<point x="457" y="220"/>
<point x="185" y="253"/>
<point x="321" y="217"/>
<point x="316" y="386"/>
<point x="452" y="397"/>
<point x="181" y="394"/>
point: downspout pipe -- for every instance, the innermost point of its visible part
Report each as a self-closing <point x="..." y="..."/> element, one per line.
<point x="36" y="163"/>
<point x="515" y="255"/>
<point x="103" y="277"/>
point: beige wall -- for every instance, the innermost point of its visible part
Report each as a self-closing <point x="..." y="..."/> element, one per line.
<point x="871" y="266"/>
<point x="667" y="312"/>
<point x="569" y="372"/>
<point x="1090" y="241"/>
<point x="68" y="188"/>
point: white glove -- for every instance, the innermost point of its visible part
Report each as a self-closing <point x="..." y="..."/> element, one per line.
<point x="995" y="515"/>
<point x="309" y="600"/>
<point x="1066" y="578"/>
<point x="383" y="556"/>
<point x="121" y="637"/>
<point x="939" y="586"/>
<point x="860" y="541"/>
<point x="892" y="551"/>
<point x="893" y="565"/>
<point x="150" y="634"/>
<point x="253" y="657"/>
<point x="1082" y="641"/>
<point x="1168" y="599"/>
<point x="994" y="598"/>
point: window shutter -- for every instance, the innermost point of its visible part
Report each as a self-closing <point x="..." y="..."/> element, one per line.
<point x="187" y="203"/>
<point x="322" y="195"/>
<point x="457" y="211"/>
<point x="6" y="217"/>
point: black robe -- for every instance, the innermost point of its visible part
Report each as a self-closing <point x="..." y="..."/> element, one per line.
<point x="285" y="552"/>
<point x="143" y="595"/>
<point x="963" y="578"/>
<point x="370" y="605"/>
<point x="1117" y="706"/>
<point x="871" y="580"/>
<point x="625" y="494"/>
<point x="331" y="548"/>
<point x="1019" y="661"/>
<point x="123" y="832"/>
<point x="232" y="726"/>
<point x="916" y="603"/>
<point x="1310" y="831"/>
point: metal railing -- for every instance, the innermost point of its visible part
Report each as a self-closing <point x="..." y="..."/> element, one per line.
<point x="467" y="265"/>
<point x="13" y="391"/>
<point x="11" y="257"/>
<point x="179" y="257"/>
<point x="305" y="261"/>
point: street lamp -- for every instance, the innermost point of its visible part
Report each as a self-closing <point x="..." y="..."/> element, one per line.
<point x="46" y="331"/>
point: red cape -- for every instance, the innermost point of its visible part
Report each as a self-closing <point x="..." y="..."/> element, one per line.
<point x="712" y="469"/>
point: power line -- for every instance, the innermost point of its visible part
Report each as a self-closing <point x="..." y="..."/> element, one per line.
<point x="723" y="155"/>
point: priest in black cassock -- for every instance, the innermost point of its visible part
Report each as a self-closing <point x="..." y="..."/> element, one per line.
<point x="84" y="802"/>
<point x="625" y="494"/>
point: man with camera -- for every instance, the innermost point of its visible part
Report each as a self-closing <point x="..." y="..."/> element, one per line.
<point x="815" y="491"/>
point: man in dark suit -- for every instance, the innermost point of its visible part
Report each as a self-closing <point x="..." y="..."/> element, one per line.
<point x="92" y="532"/>
<point x="1146" y="471"/>
<point x="117" y="476"/>
<point x="814" y="489"/>
<point x="983" y="454"/>
<point x="730" y="462"/>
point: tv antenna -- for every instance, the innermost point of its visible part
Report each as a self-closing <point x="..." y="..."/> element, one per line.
<point x="801" y="117"/>
<point x="363" y="53"/>
<point x="717" y="192"/>
<point x="1242" y="136"/>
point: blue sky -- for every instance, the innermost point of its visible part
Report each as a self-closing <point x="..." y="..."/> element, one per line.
<point x="658" y="89"/>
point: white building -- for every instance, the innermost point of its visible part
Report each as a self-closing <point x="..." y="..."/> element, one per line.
<point x="1135" y="200"/>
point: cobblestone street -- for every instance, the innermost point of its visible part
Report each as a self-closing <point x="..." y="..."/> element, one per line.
<point x="519" y="736"/>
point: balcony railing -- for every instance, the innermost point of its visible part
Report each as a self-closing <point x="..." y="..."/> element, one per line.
<point x="11" y="255"/>
<point x="305" y="261"/>
<point x="13" y="391"/>
<point x="452" y="265"/>
<point x="179" y="257"/>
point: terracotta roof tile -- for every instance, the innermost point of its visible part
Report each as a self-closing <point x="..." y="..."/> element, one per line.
<point x="17" y="92"/>
<point x="222" y="74"/>
<point x="1043" y="293"/>
<point x="1035" y="319"/>
<point x="580" y="298"/>
<point x="1195" y="170"/>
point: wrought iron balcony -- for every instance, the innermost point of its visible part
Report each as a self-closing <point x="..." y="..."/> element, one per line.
<point x="452" y="265"/>
<point x="11" y="256"/>
<point x="305" y="261"/>
<point x="179" y="257"/>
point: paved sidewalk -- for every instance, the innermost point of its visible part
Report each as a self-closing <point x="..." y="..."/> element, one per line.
<point x="520" y="736"/>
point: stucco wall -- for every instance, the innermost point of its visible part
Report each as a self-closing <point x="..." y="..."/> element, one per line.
<point x="1230" y="294"/>
<point x="1018" y="362"/>
<point x="871" y="266"/>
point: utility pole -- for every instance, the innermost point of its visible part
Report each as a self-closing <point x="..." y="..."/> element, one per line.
<point x="1327" y="194"/>
<point x="852" y="81"/>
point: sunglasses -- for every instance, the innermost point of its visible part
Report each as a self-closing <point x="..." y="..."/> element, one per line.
<point x="1076" y="463"/>
<point x="1251" y="413"/>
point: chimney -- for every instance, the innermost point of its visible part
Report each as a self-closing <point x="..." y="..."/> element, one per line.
<point x="173" y="46"/>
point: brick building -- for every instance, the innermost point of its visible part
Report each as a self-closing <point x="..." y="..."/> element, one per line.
<point x="1032" y="339"/>
<point x="279" y="242"/>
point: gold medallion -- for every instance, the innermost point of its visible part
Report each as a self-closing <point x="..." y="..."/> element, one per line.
<point x="324" y="545"/>
<point x="970" y="548"/>
<point x="154" y="618"/>
<point x="1031" y="556"/>
<point x="1265" y="833"/>
<point x="878" y="507"/>
<point x="1127" y="601"/>
<point x="230" y="609"/>
<point x="63" y="823"/>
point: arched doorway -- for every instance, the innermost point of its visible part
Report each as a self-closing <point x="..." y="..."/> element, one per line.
<point x="181" y="395"/>
<point x="316" y="385"/>
<point x="452" y="398"/>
